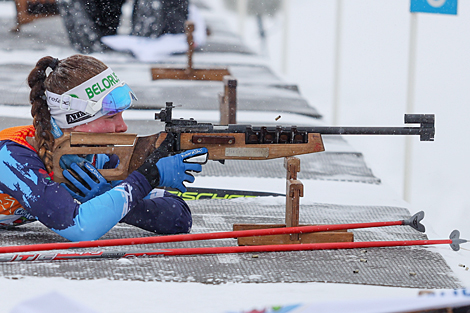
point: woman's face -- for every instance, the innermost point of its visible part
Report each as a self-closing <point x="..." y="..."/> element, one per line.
<point x="105" y="124"/>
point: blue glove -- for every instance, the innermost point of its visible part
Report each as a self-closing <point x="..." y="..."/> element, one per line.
<point x="173" y="169"/>
<point x="170" y="171"/>
<point x="90" y="182"/>
<point x="67" y="160"/>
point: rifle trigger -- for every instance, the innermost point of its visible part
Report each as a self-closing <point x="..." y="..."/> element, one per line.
<point x="198" y="159"/>
<point x="213" y="140"/>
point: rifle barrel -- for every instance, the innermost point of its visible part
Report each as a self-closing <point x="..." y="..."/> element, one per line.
<point x="426" y="129"/>
<point x="363" y="130"/>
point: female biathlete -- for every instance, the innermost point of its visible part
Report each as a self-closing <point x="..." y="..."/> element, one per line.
<point x="82" y="94"/>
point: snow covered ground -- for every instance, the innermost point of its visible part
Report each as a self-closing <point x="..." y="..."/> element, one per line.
<point x="372" y="92"/>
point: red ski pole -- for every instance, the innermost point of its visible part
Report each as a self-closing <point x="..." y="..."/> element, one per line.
<point x="413" y="221"/>
<point x="454" y="242"/>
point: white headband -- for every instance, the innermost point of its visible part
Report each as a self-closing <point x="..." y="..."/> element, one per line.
<point x="74" y="107"/>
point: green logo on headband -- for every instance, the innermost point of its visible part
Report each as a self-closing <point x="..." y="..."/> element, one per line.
<point x="106" y="83"/>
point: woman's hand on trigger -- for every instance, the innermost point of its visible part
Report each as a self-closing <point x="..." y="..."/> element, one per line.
<point x="85" y="183"/>
<point x="173" y="170"/>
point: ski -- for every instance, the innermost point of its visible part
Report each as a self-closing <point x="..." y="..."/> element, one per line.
<point x="454" y="241"/>
<point x="413" y="221"/>
<point x="198" y="193"/>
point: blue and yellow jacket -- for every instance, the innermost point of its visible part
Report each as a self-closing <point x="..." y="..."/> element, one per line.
<point x="28" y="193"/>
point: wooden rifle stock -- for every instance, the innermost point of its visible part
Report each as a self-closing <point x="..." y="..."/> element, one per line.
<point x="130" y="149"/>
<point x="133" y="150"/>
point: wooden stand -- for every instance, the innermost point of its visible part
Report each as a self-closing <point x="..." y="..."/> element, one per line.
<point x="228" y="101"/>
<point x="24" y="14"/>
<point x="294" y="190"/>
<point x="189" y="73"/>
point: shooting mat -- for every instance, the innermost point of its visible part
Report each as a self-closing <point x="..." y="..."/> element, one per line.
<point x="414" y="267"/>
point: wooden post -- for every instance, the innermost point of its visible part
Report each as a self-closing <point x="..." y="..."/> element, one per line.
<point x="228" y="101"/>
<point x="24" y="15"/>
<point x="292" y="165"/>
<point x="189" y="72"/>
<point x="294" y="190"/>
<point x="189" y="29"/>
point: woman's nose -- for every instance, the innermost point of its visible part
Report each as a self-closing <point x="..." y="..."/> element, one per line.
<point x="121" y="126"/>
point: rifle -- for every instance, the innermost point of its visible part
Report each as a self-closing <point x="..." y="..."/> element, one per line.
<point x="232" y="142"/>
